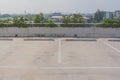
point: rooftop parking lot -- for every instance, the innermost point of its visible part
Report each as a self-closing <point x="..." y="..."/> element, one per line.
<point x="59" y="59"/>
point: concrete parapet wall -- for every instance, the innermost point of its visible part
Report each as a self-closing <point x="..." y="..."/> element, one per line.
<point x="60" y="32"/>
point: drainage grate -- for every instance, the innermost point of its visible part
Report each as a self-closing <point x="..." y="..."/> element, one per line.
<point x="38" y="39"/>
<point x="86" y="39"/>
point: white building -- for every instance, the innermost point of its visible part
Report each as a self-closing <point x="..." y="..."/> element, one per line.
<point x="117" y="13"/>
<point x="56" y="18"/>
<point x="108" y="14"/>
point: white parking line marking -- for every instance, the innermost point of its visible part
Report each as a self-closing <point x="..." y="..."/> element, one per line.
<point x="74" y="68"/>
<point x="55" y="68"/>
<point x="117" y="50"/>
<point x="59" y="52"/>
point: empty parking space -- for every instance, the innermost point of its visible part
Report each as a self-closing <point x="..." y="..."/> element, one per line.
<point x="23" y="53"/>
<point x="115" y="43"/>
<point x="89" y="54"/>
<point x="59" y="59"/>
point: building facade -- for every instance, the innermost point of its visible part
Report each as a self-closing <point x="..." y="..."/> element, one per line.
<point x="108" y="14"/>
<point x="117" y="13"/>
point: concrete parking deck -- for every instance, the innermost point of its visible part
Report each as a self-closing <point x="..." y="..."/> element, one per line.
<point x="59" y="59"/>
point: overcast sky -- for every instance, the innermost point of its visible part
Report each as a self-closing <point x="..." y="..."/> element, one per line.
<point x="66" y="6"/>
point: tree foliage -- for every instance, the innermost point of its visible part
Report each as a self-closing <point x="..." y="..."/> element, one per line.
<point x="66" y="19"/>
<point x="50" y="22"/>
<point x="39" y="18"/>
<point x="74" y="18"/>
<point x="115" y="22"/>
<point x="77" y="18"/>
<point x="98" y="17"/>
<point x="19" y="21"/>
<point x="5" y="21"/>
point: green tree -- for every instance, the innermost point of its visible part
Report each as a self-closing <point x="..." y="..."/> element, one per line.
<point x="108" y="21"/>
<point x="98" y="17"/>
<point x="77" y="18"/>
<point x="74" y="18"/>
<point x="118" y="20"/>
<point x="66" y="19"/>
<point x="51" y="23"/>
<point x="111" y="21"/>
<point x="39" y="18"/>
<point x="19" y="22"/>
<point x="5" y="21"/>
<point x="115" y="22"/>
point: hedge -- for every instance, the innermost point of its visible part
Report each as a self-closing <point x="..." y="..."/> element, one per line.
<point x="62" y="25"/>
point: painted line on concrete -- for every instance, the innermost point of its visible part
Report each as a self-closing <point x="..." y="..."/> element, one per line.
<point x="6" y="39"/>
<point x="59" y="51"/>
<point x="109" y="45"/>
<point x="114" y="40"/>
<point x="74" y="68"/>
<point x="55" y="68"/>
<point x="38" y="39"/>
<point x="82" y="39"/>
